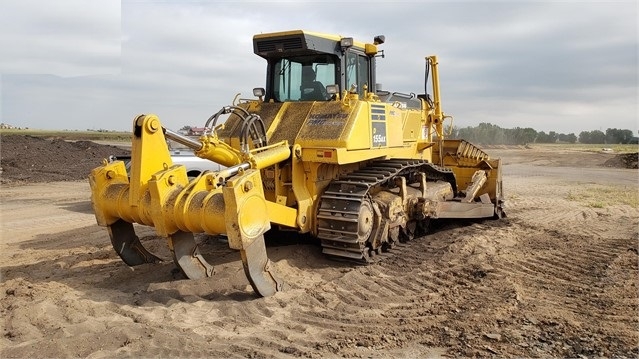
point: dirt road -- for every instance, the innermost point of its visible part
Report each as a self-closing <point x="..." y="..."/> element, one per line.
<point x="557" y="278"/>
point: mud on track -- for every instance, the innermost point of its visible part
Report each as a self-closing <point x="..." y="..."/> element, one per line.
<point x="557" y="278"/>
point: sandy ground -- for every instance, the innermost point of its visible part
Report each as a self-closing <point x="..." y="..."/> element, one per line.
<point x="557" y="278"/>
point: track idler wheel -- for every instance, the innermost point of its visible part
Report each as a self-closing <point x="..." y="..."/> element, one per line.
<point x="187" y="256"/>
<point x="128" y="246"/>
<point x="259" y="269"/>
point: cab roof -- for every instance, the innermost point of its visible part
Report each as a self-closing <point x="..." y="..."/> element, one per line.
<point x="286" y="43"/>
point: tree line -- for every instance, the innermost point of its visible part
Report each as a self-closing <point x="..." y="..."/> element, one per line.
<point x="487" y="133"/>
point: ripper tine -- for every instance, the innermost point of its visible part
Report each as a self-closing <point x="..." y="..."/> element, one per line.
<point x="128" y="246"/>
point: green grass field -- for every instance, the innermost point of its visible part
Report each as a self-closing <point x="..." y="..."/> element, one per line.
<point x="596" y="196"/>
<point x="72" y="135"/>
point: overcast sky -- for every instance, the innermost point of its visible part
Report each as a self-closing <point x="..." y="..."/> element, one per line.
<point x="73" y="64"/>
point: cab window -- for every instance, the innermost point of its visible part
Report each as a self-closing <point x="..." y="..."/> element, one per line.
<point x="303" y="78"/>
<point x="357" y="72"/>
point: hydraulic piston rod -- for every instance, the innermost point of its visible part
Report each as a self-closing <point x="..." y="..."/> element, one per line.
<point x="183" y="140"/>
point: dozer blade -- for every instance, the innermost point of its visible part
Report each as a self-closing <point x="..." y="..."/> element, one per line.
<point x="127" y="244"/>
<point x="187" y="256"/>
<point x="259" y="269"/>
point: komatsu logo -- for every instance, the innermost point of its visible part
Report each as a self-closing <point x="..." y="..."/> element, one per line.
<point x="327" y="119"/>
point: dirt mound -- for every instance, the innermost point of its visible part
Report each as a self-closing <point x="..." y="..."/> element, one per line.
<point x="624" y="160"/>
<point x="36" y="159"/>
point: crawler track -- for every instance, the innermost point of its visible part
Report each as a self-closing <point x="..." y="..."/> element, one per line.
<point x="346" y="206"/>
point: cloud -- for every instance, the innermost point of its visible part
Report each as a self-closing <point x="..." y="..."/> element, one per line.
<point x="65" y="37"/>
<point x="551" y="66"/>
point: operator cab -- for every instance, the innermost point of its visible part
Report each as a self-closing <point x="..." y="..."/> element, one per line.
<point x="307" y="66"/>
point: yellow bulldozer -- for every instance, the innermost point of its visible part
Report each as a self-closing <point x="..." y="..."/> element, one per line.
<point x="320" y="150"/>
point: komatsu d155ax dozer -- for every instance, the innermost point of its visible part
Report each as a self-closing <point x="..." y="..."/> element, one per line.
<point x="320" y="150"/>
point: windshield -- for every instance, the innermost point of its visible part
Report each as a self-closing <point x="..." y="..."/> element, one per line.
<point x="303" y="78"/>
